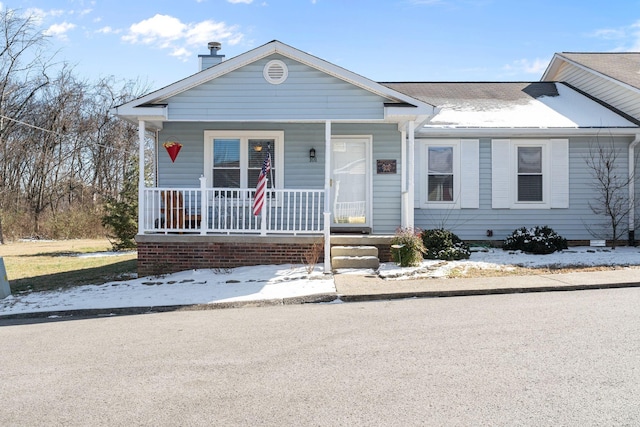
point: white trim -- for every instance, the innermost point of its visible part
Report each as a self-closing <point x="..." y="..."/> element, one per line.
<point x="545" y="146"/>
<point x="424" y="173"/>
<point x="244" y="135"/>
<point x="504" y="173"/>
<point x="444" y="132"/>
<point x="555" y="68"/>
<point x="275" y="72"/>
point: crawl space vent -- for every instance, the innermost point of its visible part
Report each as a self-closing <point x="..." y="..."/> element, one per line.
<point x="275" y="72"/>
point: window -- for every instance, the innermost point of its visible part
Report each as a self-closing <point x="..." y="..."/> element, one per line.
<point x="234" y="159"/>
<point x="448" y="173"/>
<point x="529" y="173"/>
<point x="440" y="174"/>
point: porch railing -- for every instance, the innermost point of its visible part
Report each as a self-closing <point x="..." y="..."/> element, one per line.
<point x="229" y="211"/>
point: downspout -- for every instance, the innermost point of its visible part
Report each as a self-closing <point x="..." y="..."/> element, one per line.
<point x="327" y="189"/>
<point x="141" y="185"/>
<point x="632" y="190"/>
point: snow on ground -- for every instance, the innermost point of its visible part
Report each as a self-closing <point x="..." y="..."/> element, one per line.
<point x="283" y="281"/>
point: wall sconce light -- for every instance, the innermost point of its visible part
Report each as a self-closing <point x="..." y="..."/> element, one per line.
<point x="257" y="148"/>
<point x="312" y="155"/>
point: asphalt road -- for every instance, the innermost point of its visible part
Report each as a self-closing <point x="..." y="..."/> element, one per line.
<point x="562" y="358"/>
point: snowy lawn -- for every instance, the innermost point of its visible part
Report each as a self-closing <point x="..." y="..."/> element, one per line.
<point x="283" y="281"/>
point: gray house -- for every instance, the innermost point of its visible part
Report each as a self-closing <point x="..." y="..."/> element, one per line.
<point x="347" y="161"/>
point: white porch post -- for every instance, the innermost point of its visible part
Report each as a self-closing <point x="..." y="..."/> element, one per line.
<point x="404" y="219"/>
<point x="411" y="174"/>
<point x="141" y="202"/>
<point x="327" y="201"/>
<point x="632" y="190"/>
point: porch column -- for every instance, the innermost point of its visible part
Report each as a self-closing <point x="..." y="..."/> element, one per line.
<point x="411" y="173"/>
<point x="404" y="194"/>
<point x="327" y="201"/>
<point x="141" y="203"/>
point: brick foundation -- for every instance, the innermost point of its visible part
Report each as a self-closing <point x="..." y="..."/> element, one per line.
<point x="168" y="254"/>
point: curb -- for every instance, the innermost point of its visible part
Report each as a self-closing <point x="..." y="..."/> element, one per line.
<point x="306" y="299"/>
<point x="475" y="292"/>
<point x="130" y="311"/>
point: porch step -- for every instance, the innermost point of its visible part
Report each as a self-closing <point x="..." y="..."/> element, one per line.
<point x="354" y="257"/>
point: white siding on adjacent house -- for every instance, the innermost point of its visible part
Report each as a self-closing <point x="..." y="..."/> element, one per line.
<point x="608" y="91"/>
<point x="306" y="94"/>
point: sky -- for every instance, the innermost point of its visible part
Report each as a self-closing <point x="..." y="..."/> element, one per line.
<point x="157" y="42"/>
<point x="269" y="282"/>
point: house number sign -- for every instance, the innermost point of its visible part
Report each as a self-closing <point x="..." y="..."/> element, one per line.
<point x="386" y="166"/>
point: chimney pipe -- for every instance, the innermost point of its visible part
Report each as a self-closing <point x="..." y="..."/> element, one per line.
<point x="208" y="61"/>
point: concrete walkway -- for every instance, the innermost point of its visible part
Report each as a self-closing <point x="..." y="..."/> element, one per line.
<point x="366" y="288"/>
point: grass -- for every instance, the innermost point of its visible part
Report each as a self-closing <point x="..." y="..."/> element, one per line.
<point x="48" y="265"/>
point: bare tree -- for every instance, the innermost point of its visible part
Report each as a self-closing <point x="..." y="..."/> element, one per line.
<point x="610" y="185"/>
<point x="23" y="74"/>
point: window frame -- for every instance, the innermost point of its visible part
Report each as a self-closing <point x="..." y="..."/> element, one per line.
<point x="545" y="146"/>
<point x="424" y="176"/>
<point x="277" y="154"/>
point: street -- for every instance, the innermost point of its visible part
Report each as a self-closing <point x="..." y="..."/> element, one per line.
<point x="557" y="358"/>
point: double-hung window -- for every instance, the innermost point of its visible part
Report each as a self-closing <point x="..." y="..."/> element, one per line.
<point x="234" y="159"/>
<point x="529" y="173"/>
<point x="530" y="177"/>
<point x="440" y="176"/>
<point x="448" y="173"/>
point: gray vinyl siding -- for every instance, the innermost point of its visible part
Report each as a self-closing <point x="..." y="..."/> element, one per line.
<point x="618" y="96"/>
<point x="572" y="223"/>
<point x="299" y="172"/>
<point x="307" y="94"/>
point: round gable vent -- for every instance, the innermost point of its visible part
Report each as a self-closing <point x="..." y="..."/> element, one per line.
<point x="275" y="72"/>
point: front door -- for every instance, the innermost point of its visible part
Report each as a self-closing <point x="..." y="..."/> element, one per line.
<point x="350" y="181"/>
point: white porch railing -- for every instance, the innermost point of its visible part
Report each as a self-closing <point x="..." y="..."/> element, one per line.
<point x="229" y="211"/>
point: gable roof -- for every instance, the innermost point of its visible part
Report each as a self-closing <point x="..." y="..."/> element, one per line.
<point x="624" y="67"/>
<point x="150" y="104"/>
<point x="509" y="105"/>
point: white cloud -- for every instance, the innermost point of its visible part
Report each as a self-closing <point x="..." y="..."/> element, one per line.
<point x="240" y="1"/>
<point x="39" y="15"/>
<point x="168" y="32"/>
<point x="59" y="30"/>
<point x="627" y="36"/>
<point x="108" y="30"/>
<point x="536" y="66"/>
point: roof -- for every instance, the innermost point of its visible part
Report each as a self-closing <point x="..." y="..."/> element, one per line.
<point x="538" y="105"/>
<point x="152" y="106"/>
<point x="621" y="66"/>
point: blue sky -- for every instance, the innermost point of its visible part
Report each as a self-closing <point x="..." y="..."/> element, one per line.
<point x="157" y="41"/>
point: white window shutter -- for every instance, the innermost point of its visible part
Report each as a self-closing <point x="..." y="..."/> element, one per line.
<point x="470" y="173"/>
<point x="559" y="173"/>
<point x="500" y="174"/>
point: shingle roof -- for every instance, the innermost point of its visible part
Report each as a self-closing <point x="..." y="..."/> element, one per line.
<point x="510" y="105"/>
<point x="441" y="93"/>
<point x="623" y="66"/>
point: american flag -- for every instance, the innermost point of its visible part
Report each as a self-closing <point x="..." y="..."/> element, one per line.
<point x="261" y="188"/>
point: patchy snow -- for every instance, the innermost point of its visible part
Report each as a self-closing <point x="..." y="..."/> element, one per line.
<point x="568" y="110"/>
<point x="283" y="281"/>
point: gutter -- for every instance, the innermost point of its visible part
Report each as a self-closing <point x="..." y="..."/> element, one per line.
<point x="632" y="190"/>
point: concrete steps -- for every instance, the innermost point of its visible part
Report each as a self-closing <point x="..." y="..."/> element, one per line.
<point x="354" y="257"/>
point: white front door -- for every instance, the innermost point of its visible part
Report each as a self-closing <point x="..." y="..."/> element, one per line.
<point x="350" y="181"/>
